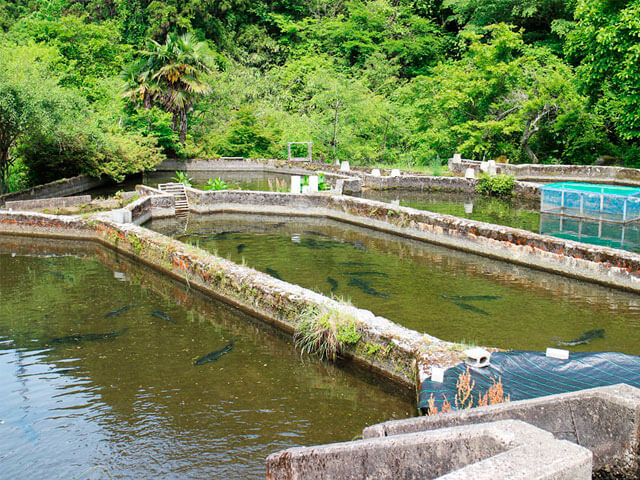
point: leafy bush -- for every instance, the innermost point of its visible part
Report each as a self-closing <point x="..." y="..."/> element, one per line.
<point x="216" y="184"/>
<point x="497" y="185"/>
<point x="182" y="177"/>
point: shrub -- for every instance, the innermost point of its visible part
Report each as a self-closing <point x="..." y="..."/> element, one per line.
<point x="497" y="185"/>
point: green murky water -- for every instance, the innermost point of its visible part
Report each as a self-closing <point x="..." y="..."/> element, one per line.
<point x="135" y="406"/>
<point x="517" y="213"/>
<point x="412" y="282"/>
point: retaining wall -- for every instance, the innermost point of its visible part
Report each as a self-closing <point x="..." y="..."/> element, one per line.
<point x="557" y="173"/>
<point x="490" y="451"/>
<point x="605" y="420"/>
<point x="60" y="188"/>
<point x="599" y="264"/>
<point x="51" y="203"/>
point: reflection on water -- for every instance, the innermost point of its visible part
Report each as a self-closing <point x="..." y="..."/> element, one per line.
<point x="97" y="376"/>
<point x="446" y="293"/>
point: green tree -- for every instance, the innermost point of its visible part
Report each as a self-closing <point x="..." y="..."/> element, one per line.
<point x="172" y="77"/>
<point x="605" y="46"/>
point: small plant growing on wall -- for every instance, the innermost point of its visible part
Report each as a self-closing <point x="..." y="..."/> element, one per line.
<point x="216" y="184"/>
<point x="325" y="333"/>
<point x="497" y="185"/>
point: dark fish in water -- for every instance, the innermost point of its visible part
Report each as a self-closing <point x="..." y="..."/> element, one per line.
<point x="162" y="315"/>
<point x="358" y="245"/>
<point x="119" y="311"/>
<point x="59" y="275"/>
<point x="586" y="337"/>
<point x="213" y="356"/>
<point x="319" y="244"/>
<point x="241" y="247"/>
<point x="274" y="273"/>
<point x="45" y="261"/>
<point x="358" y="264"/>
<point x="83" y="337"/>
<point x="470" y="298"/>
<point x="224" y="235"/>
<point x="333" y="282"/>
<point x="277" y="225"/>
<point x="368" y="273"/>
<point x="471" y="308"/>
<point x="317" y="234"/>
<point x="366" y="287"/>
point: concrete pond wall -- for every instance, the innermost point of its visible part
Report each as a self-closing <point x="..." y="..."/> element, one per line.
<point x="60" y="188"/>
<point x="556" y="173"/>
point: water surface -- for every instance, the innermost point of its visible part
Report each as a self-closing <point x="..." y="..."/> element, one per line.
<point x="135" y="406"/>
<point x="450" y="294"/>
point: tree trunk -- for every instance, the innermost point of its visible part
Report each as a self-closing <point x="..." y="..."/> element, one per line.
<point x="530" y="129"/>
<point x="4" y="170"/>
<point x="183" y="126"/>
<point x="334" y="140"/>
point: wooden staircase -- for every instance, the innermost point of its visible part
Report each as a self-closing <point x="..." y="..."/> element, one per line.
<point x="181" y="201"/>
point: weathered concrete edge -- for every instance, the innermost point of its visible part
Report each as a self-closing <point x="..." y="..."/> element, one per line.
<point x="51" y="203"/>
<point x="505" y="449"/>
<point x="605" y="420"/>
<point x="278" y="303"/>
<point x="58" y="188"/>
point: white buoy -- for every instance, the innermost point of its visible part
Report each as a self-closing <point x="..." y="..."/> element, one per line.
<point x="313" y="183"/>
<point x="558" y="353"/>
<point x="469" y="173"/>
<point x="395" y="172"/>
<point x="375" y="172"/>
<point x="295" y="184"/>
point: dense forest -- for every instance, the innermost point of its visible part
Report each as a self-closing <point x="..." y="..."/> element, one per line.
<point x="113" y="86"/>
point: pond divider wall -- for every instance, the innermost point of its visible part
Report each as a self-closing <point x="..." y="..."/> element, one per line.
<point x="386" y="348"/>
<point x="50" y="203"/>
<point x="59" y="188"/>
<point x="557" y="173"/>
<point x="607" y="266"/>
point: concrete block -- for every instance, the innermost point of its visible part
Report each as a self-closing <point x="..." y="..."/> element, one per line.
<point x="469" y="173"/>
<point x="605" y="420"/>
<point x="375" y="172"/>
<point x="344" y="166"/>
<point x="457" y="158"/>
<point x="313" y="183"/>
<point x="499" y="450"/>
<point x="395" y="172"/>
<point x="295" y="183"/>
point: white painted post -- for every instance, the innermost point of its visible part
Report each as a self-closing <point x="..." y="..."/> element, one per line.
<point x="624" y="211"/>
<point x="469" y="173"/>
<point x="468" y="208"/>
<point x="457" y="158"/>
<point x="344" y="166"/>
<point x="491" y="167"/>
<point x="484" y="166"/>
<point x="313" y="183"/>
<point x="395" y="172"/>
<point x="295" y="184"/>
<point x="375" y="172"/>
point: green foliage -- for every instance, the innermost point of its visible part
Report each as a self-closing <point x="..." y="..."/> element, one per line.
<point x="247" y="136"/>
<point x="497" y="185"/>
<point x="605" y="45"/>
<point x="216" y="184"/>
<point x="182" y="177"/>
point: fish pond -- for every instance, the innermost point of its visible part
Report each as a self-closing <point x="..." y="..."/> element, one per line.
<point x="447" y="293"/>
<point x="516" y="213"/>
<point x="110" y="370"/>
<point x="235" y="180"/>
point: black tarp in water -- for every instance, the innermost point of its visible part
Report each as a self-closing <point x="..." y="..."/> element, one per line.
<point x="531" y="374"/>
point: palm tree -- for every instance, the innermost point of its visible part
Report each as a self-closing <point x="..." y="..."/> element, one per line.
<point x="170" y="76"/>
